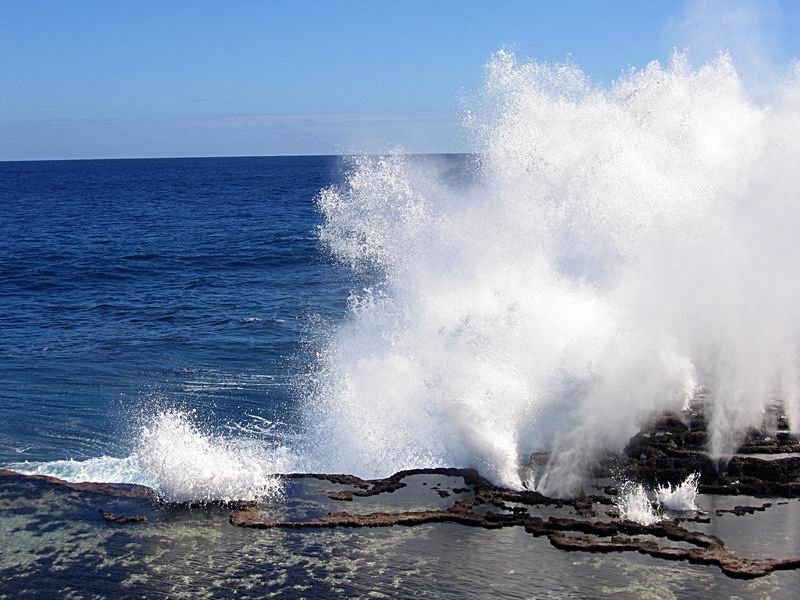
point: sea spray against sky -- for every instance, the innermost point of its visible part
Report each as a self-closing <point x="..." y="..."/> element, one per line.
<point x="621" y="247"/>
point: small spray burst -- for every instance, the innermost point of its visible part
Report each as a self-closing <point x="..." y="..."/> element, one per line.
<point x="680" y="497"/>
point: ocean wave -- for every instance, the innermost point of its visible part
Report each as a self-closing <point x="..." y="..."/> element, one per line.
<point x="182" y="463"/>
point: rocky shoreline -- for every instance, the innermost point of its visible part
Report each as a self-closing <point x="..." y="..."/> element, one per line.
<point x="673" y="447"/>
<point x="666" y="452"/>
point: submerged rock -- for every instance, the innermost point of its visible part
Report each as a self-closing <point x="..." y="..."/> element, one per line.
<point x="668" y="452"/>
<point x="122" y="519"/>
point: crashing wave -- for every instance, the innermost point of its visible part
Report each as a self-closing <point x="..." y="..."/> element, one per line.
<point x="182" y="463"/>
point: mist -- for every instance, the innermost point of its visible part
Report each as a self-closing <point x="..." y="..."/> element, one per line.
<point x="624" y="250"/>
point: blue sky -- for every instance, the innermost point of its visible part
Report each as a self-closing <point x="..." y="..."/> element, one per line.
<point x="108" y="78"/>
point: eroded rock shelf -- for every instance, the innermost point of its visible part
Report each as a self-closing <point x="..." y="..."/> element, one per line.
<point x="668" y="451"/>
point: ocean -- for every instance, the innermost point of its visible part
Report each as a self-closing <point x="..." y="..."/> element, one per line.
<point x="128" y="286"/>
<point x="197" y="292"/>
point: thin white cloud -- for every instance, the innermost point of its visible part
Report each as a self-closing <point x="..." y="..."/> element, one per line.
<point x="748" y="30"/>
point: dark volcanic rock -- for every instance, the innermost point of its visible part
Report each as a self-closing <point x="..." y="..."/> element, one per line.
<point x="122" y="519"/>
<point x="510" y="508"/>
<point x="743" y="510"/>
<point x="597" y="536"/>
<point x="671" y="448"/>
<point x="732" y="566"/>
<point x="373" y="487"/>
<point x="107" y="489"/>
<point x="345" y="496"/>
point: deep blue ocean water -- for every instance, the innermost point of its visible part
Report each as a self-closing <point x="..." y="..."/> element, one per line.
<point x="182" y="282"/>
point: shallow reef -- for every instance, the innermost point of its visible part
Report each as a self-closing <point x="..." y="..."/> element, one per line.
<point x="670" y="449"/>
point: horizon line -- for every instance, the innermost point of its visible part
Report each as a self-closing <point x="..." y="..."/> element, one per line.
<point x="335" y="155"/>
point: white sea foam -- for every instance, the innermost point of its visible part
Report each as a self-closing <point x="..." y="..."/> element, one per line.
<point x="622" y="245"/>
<point x="680" y="497"/>
<point x="182" y="463"/>
<point x="100" y="469"/>
<point x="633" y="504"/>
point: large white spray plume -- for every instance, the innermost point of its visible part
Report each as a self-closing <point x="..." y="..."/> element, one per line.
<point x="621" y="247"/>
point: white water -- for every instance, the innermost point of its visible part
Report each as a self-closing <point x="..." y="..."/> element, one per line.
<point x="633" y="504"/>
<point x="680" y="497"/>
<point x="622" y="246"/>
<point x="182" y="463"/>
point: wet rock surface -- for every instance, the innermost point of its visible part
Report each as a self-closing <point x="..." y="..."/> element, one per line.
<point x="739" y="510"/>
<point x="674" y="446"/>
<point x="666" y="453"/>
<point x="122" y="519"/>
<point x="120" y="490"/>
<point x="492" y="507"/>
